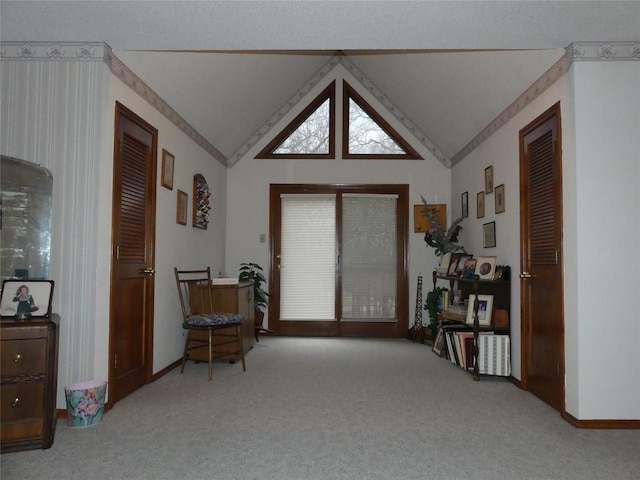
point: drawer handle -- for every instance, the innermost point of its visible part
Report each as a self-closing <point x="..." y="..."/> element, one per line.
<point x="17" y="358"/>
<point x="16" y="402"/>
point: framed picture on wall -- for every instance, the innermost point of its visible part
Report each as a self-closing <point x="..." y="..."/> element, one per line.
<point x="167" y="169"/>
<point x="488" y="179"/>
<point x="500" y="198"/>
<point x="489" y="234"/>
<point x="480" y="205"/>
<point x="465" y="204"/>
<point x="181" y="208"/>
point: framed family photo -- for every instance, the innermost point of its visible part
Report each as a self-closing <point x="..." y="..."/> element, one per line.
<point x="31" y="298"/>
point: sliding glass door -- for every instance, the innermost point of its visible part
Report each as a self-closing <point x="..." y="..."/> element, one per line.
<point x="338" y="260"/>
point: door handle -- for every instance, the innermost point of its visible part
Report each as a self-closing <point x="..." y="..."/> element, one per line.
<point x="527" y="275"/>
<point x="147" y="271"/>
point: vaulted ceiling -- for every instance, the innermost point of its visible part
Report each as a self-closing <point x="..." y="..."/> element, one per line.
<point x="450" y="67"/>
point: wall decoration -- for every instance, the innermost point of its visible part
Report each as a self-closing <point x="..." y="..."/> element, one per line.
<point x="181" y="211"/>
<point x="465" y="205"/>
<point x="480" y="205"/>
<point x="500" y="198"/>
<point x="167" y="169"/>
<point x="489" y="234"/>
<point x="201" y="205"/>
<point x="488" y="179"/>
<point x="421" y="222"/>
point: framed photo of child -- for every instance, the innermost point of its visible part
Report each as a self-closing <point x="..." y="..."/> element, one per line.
<point x="26" y="298"/>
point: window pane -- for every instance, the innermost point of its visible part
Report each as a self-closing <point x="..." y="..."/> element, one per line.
<point x="369" y="258"/>
<point x="307" y="276"/>
<point x="366" y="136"/>
<point x="312" y="136"/>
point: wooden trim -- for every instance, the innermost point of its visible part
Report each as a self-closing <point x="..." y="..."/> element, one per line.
<point x="609" y="424"/>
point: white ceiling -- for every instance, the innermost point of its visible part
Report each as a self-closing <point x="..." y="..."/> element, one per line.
<point x="227" y="66"/>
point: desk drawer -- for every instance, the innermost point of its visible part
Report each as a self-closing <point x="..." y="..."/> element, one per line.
<point x="23" y="357"/>
<point x="21" y="401"/>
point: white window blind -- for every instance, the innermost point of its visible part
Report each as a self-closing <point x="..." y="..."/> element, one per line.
<point x="369" y="255"/>
<point x="307" y="275"/>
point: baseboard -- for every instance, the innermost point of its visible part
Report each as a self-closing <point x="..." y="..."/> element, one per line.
<point x="602" y="424"/>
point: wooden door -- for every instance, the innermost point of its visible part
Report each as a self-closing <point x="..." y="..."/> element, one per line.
<point x="133" y="244"/>
<point x="541" y="258"/>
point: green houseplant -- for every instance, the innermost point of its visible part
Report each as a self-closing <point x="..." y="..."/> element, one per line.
<point x="253" y="272"/>
<point x="432" y="305"/>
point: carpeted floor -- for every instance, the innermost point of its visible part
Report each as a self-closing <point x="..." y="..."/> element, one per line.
<point x="327" y="409"/>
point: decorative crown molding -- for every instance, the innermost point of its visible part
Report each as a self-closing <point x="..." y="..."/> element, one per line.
<point x="599" y="51"/>
<point x="59" y="51"/>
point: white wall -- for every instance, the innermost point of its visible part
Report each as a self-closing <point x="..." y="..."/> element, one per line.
<point x="607" y="170"/>
<point x="249" y="180"/>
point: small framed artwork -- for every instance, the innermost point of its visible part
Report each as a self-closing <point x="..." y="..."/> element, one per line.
<point x="181" y="209"/>
<point x="480" y="205"/>
<point x="26" y="298"/>
<point x="486" y="267"/>
<point x="489" y="234"/>
<point x="488" y="179"/>
<point x="168" y="161"/>
<point x="421" y="222"/>
<point x="485" y="309"/>
<point x="500" y="198"/>
<point x="439" y="343"/>
<point x="469" y="269"/>
<point x="465" y="204"/>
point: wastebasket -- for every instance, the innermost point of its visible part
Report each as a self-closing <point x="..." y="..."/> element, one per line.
<point x="85" y="403"/>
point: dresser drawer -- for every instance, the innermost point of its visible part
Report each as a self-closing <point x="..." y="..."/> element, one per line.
<point x="23" y="357"/>
<point x="21" y="401"/>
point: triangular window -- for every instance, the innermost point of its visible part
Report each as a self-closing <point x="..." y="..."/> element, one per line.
<point x="369" y="135"/>
<point x="311" y="134"/>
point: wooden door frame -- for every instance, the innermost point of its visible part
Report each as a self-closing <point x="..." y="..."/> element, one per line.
<point x="345" y="328"/>
<point x="525" y="320"/>
<point x="120" y="109"/>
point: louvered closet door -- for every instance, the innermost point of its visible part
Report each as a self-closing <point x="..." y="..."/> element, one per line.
<point x="133" y="244"/>
<point x="541" y="278"/>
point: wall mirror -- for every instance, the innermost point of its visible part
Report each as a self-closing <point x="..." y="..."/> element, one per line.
<point x="25" y="220"/>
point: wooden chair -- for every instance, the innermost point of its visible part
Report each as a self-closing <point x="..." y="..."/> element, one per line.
<point x="194" y="290"/>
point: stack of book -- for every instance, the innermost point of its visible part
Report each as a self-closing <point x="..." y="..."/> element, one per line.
<point x="493" y="350"/>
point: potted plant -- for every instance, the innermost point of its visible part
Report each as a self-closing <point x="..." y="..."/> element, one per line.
<point x="253" y="272"/>
<point x="432" y="305"/>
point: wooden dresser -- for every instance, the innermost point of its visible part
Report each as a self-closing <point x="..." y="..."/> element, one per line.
<point x="237" y="298"/>
<point x="29" y="381"/>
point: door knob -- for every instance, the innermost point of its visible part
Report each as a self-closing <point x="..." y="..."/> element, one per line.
<point x="527" y="275"/>
<point x="147" y="271"/>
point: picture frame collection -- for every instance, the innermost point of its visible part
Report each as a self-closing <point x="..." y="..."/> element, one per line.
<point x="464" y="265"/>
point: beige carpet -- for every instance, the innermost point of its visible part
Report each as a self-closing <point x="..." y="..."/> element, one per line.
<point x="331" y="409"/>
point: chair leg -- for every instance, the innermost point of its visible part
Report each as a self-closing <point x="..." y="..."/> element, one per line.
<point x="240" y="348"/>
<point x="186" y="349"/>
<point x="210" y="353"/>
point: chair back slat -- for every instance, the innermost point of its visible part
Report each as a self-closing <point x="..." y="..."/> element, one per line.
<point x="194" y="291"/>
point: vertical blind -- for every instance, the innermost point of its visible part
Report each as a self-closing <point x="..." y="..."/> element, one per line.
<point x="308" y="272"/>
